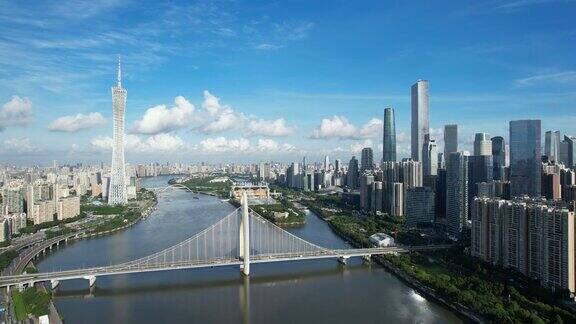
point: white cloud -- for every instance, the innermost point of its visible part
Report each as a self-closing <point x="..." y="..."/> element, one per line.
<point x="227" y="120"/>
<point x="275" y="128"/>
<point x="222" y="117"/>
<point x="102" y="142"/>
<point x="222" y="145"/>
<point x="336" y="127"/>
<point x="161" y="119"/>
<point x="371" y="129"/>
<point x="17" y="145"/>
<point x="288" y="147"/>
<point x="271" y="146"/>
<point x="212" y="104"/>
<point x="16" y="112"/>
<point x="75" y="123"/>
<point x="403" y="147"/>
<point x="163" y="142"/>
<point x="339" y="127"/>
<point x="267" y="145"/>
<point x="566" y="77"/>
<point x="268" y="47"/>
<point x="521" y="3"/>
<point x="357" y="147"/>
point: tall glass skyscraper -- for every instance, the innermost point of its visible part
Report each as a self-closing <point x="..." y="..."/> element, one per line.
<point x="450" y="140"/>
<point x="389" y="141"/>
<point x="456" y="192"/>
<point x="367" y="159"/>
<point x="552" y="145"/>
<point x="499" y="157"/>
<point x="429" y="157"/>
<point x="353" y="174"/>
<point x="568" y="151"/>
<point x="482" y="144"/>
<point x="420" y="119"/>
<point x="118" y="194"/>
<point x="525" y="158"/>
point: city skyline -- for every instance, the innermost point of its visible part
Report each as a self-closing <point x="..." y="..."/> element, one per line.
<point x="428" y="147"/>
<point x="199" y="107"/>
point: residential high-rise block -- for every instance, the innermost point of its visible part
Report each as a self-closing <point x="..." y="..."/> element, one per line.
<point x="525" y="157"/>
<point x="420" y="206"/>
<point x="389" y="140"/>
<point x="393" y="198"/>
<point x="420" y="118"/>
<point x="530" y="236"/>
<point x="450" y="139"/>
<point x="118" y="193"/>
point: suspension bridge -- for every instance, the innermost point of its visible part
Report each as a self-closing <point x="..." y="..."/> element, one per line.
<point x="240" y="239"/>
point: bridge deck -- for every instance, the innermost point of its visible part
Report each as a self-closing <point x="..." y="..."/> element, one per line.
<point x="141" y="268"/>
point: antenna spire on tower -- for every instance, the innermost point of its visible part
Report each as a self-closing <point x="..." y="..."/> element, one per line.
<point x="119" y="73"/>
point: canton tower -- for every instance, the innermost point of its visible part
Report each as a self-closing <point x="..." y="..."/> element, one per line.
<point x="117" y="193"/>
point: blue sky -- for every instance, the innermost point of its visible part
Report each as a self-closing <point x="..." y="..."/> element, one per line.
<point x="274" y="80"/>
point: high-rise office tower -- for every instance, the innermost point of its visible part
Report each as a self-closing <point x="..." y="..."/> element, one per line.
<point x="440" y="160"/>
<point x="498" y="157"/>
<point x="326" y="163"/>
<point x="304" y="163"/>
<point x="456" y="192"/>
<point x="389" y="141"/>
<point x="367" y="160"/>
<point x="420" y="120"/>
<point x="552" y="145"/>
<point x="450" y="139"/>
<point x="429" y="156"/>
<point x="366" y="181"/>
<point x="118" y="194"/>
<point x="480" y="169"/>
<point x="337" y="166"/>
<point x="352" y="175"/>
<point x="525" y="158"/>
<point x="568" y="151"/>
<point x="482" y="144"/>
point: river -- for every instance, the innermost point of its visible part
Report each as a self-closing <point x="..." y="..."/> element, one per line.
<point x="315" y="291"/>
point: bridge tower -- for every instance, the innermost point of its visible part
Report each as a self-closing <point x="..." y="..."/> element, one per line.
<point x="244" y="247"/>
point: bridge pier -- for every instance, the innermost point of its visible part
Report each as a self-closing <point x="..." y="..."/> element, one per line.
<point x="91" y="280"/>
<point x="367" y="258"/>
<point x="54" y="284"/>
<point x="245" y="237"/>
<point x="343" y="259"/>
